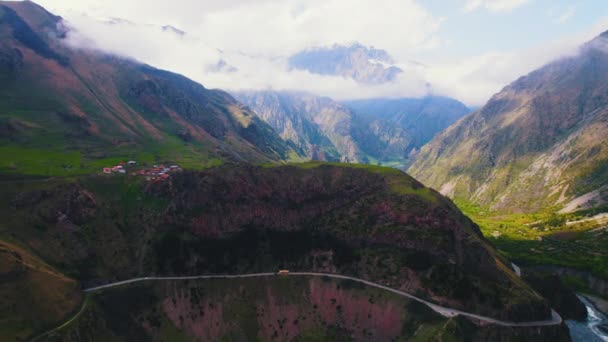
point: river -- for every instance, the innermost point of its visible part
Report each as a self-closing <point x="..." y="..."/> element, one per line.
<point x="595" y="329"/>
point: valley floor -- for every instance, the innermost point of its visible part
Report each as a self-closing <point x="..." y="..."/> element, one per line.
<point x="577" y="241"/>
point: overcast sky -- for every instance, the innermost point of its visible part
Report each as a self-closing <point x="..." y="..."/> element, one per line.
<point x="467" y="49"/>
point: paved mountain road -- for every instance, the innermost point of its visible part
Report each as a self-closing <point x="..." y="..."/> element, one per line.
<point x="444" y="311"/>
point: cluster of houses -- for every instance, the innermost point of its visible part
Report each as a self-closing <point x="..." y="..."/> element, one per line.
<point x="119" y="168"/>
<point x="155" y="173"/>
<point x="158" y="172"/>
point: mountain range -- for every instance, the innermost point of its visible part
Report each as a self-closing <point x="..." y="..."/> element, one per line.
<point x="66" y="112"/>
<point x="368" y="131"/>
<point x="539" y="143"/>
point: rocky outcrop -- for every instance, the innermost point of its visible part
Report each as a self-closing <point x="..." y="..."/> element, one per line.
<point x="358" y="62"/>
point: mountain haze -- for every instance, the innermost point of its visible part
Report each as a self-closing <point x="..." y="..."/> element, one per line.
<point x="318" y="127"/>
<point x="368" y="131"/>
<point x="404" y="125"/>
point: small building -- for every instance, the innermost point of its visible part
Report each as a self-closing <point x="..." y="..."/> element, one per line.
<point x="174" y="167"/>
<point x="283" y="272"/>
<point x="122" y="163"/>
<point x="122" y="171"/>
<point x="131" y="162"/>
<point x="107" y="170"/>
<point x="116" y="168"/>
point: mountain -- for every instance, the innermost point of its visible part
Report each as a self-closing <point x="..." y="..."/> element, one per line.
<point x="538" y="143"/>
<point x="66" y="112"/>
<point x="317" y="127"/>
<point x="70" y="110"/>
<point x="404" y="125"/>
<point x="360" y="63"/>
<point x="370" y="222"/>
<point x="369" y="131"/>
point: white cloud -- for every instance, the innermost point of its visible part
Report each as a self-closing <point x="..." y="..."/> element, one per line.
<point x="276" y="27"/>
<point x="256" y="36"/>
<point x="493" y="5"/>
<point x="475" y="79"/>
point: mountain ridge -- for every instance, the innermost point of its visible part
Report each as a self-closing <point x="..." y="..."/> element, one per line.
<point x="356" y="61"/>
<point x="100" y="106"/>
<point x="368" y="131"/>
<point x="535" y="144"/>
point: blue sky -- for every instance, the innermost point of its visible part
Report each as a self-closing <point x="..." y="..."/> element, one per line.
<point x="532" y="23"/>
<point x="466" y="49"/>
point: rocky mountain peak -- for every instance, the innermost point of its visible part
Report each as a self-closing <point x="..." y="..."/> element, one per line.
<point x="356" y="61"/>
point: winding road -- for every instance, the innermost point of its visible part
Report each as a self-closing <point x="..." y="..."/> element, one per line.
<point x="444" y="311"/>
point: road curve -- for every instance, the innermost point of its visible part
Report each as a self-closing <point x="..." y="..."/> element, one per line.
<point x="444" y="311"/>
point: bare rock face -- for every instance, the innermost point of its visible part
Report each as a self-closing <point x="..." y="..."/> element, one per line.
<point x="358" y="62"/>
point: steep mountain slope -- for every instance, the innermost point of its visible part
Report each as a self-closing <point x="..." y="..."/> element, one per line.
<point x="371" y="222"/>
<point x="34" y="295"/>
<point x="403" y="125"/>
<point x="358" y="62"/>
<point x="267" y="309"/>
<point x="63" y="110"/>
<point x="378" y="130"/>
<point x="538" y="143"/>
<point x="317" y="127"/>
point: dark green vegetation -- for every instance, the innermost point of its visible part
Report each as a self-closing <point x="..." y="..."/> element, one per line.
<point x="371" y="222"/>
<point x="545" y="239"/>
<point x="271" y="308"/>
<point x="65" y="113"/>
<point x="538" y="144"/>
<point x="33" y="295"/>
<point x="561" y="298"/>
<point x="533" y="158"/>
<point x="377" y="131"/>
<point x="70" y="112"/>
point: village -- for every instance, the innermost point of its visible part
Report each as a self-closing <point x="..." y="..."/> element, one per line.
<point x="155" y="173"/>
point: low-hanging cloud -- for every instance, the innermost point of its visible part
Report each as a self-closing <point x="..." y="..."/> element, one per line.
<point x="257" y="36"/>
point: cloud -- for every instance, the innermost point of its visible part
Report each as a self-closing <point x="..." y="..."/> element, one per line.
<point x="257" y="36"/>
<point x="276" y="27"/>
<point x="493" y="5"/>
<point x="475" y="79"/>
